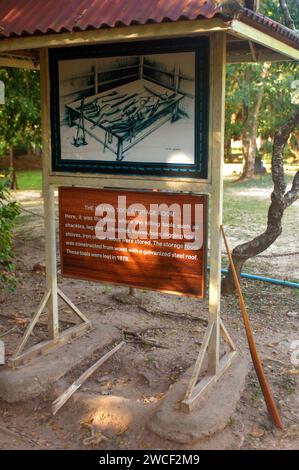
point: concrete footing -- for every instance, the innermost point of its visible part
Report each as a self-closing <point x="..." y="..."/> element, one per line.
<point x="212" y="412"/>
<point x="34" y="378"/>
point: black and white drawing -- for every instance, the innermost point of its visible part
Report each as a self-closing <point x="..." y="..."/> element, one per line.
<point x="134" y="111"/>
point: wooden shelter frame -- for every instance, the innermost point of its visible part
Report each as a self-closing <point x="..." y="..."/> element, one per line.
<point x="217" y="31"/>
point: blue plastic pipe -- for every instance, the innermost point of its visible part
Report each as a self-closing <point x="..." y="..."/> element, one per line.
<point x="266" y="279"/>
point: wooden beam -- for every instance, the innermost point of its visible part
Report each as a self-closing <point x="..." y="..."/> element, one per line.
<point x="199" y="361"/>
<point x="28" y="54"/>
<point x="265" y="55"/>
<point x="226" y="336"/>
<point x="133" y="182"/>
<point x="32" y="323"/>
<point x="252" y="34"/>
<point x="122" y="34"/>
<point x="63" y="398"/>
<point x="48" y="345"/>
<point x="188" y="404"/>
<point x="16" y="62"/>
<point x="72" y="306"/>
<point x="253" y="51"/>
<point x="238" y="51"/>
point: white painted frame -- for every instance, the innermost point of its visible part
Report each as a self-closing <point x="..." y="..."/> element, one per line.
<point x="212" y="186"/>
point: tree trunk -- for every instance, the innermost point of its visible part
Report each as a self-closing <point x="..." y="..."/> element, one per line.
<point x="29" y="152"/>
<point x="246" y="143"/>
<point x="227" y="151"/>
<point x="13" y="183"/>
<point x="249" y="153"/>
<point x="280" y="200"/>
<point x="250" y="134"/>
<point x="294" y="148"/>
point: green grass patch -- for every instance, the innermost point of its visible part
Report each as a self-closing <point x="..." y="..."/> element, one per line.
<point x="262" y="181"/>
<point x="29" y="179"/>
<point x="245" y="214"/>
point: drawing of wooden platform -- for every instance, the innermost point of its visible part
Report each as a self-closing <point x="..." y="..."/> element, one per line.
<point x="123" y="116"/>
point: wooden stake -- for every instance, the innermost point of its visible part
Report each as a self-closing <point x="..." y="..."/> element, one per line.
<point x="32" y="324"/>
<point x="199" y="361"/>
<point x="133" y="291"/>
<point x="273" y="411"/>
<point x="63" y="398"/>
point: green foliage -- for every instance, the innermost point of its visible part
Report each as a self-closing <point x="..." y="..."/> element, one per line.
<point x="8" y="212"/>
<point x="20" y="116"/>
<point x="243" y="83"/>
<point x="271" y="8"/>
<point x="266" y="148"/>
<point x="277" y="105"/>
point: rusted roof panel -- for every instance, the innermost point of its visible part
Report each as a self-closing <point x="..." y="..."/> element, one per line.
<point x="28" y="17"/>
<point x="33" y="17"/>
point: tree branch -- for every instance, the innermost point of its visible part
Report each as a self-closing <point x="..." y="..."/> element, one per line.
<point x="279" y="142"/>
<point x="293" y="194"/>
<point x="286" y="13"/>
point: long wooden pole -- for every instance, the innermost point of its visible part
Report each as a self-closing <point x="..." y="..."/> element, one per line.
<point x="252" y="347"/>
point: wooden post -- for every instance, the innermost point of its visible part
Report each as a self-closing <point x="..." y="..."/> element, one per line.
<point x="216" y="155"/>
<point x="50" y="299"/>
<point x="211" y="341"/>
<point x="140" y="72"/>
<point x="96" y="78"/>
<point x="49" y="205"/>
<point x="176" y="78"/>
<point x="132" y="291"/>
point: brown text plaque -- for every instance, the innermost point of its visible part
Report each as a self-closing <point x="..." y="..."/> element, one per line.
<point x="149" y="240"/>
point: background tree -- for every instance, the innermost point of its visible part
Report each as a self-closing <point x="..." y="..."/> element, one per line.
<point x="9" y="210"/>
<point x="272" y="8"/>
<point x="257" y="98"/>
<point x="20" y="116"/>
<point x="244" y="99"/>
<point x="277" y="105"/>
<point x="281" y="199"/>
<point x="277" y="121"/>
<point x="233" y="123"/>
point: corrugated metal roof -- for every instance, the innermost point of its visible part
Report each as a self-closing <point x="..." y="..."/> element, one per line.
<point x="33" y="17"/>
<point x="27" y="17"/>
<point x="275" y="29"/>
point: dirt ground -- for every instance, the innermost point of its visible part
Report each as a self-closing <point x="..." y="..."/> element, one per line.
<point x="113" y="406"/>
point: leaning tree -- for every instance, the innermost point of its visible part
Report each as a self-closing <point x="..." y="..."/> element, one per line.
<point x="281" y="199"/>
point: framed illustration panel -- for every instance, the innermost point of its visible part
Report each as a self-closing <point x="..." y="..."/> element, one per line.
<point x="131" y="109"/>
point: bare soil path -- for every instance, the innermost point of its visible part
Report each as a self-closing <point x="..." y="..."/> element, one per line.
<point x="128" y="388"/>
